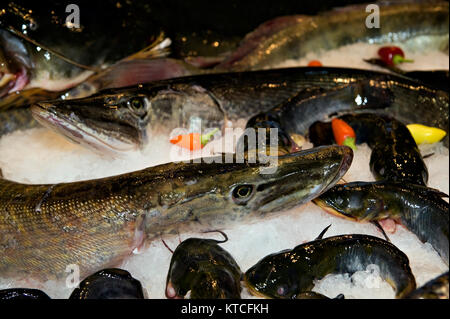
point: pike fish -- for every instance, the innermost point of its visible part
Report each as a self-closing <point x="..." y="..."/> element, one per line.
<point x="41" y="55"/>
<point x="95" y="224"/>
<point x="118" y="120"/>
<point x="415" y="24"/>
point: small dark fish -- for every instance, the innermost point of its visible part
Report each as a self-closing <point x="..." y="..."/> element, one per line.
<point x="204" y="268"/>
<point x="110" y="283"/>
<point x="22" y="294"/>
<point x="395" y="155"/>
<point x="437" y="288"/>
<point x="289" y="273"/>
<point x="418" y="208"/>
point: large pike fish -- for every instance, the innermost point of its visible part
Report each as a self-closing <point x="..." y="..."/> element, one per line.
<point x="117" y="120"/>
<point x="95" y="224"/>
<point x="416" y="24"/>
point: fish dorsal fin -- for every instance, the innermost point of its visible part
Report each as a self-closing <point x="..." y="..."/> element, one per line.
<point x="323" y="233"/>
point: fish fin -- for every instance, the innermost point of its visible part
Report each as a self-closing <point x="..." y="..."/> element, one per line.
<point x="204" y="62"/>
<point x="157" y="49"/>
<point x="323" y="232"/>
<point x="218" y="231"/>
<point x="340" y="296"/>
<point x="377" y="224"/>
<point x="135" y="71"/>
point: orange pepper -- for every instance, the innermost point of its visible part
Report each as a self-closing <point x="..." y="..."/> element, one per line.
<point x="314" y="63"/>
<point x="193" y="141"/>
<point x="343" y="133"/>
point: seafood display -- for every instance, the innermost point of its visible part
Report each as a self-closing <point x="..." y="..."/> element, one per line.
<point x="157" y="134"/>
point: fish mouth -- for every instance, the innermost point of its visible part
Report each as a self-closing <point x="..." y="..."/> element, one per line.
<point x="13" y="82"/>
<point x="171" y="292"/>
<point x="289" y="191"/>
<point x="67" y="126"/>
<point x="252" y="289"/>
<point x="332" y="210"/>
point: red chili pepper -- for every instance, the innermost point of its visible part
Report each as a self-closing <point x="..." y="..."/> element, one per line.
<point x="343" y="133"/>
<point x="193" y="141"/>
<point x="314" y="63"/>
<point x="392" y="55"/>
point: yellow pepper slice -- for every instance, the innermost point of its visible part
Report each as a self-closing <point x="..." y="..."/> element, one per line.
<point x="425" y="134"/>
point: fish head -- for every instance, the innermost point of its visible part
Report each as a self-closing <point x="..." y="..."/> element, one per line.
<point x="185" y="264"/>
<point x="272" y="277"/>
<point x="106" y="123"/>
<point x="120" y="120"/>
<point x="353" y="201"/>
<point x="204" y="268"/>
<point x="212" y="195"/>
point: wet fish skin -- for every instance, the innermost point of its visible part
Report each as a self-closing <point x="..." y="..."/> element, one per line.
<point x="395" y="155"/>
<point x="22" y="294"/>
<point x="291" y="272"/>
<point x="206" y="269"/>
<point x="401" y="22"/>
<point x="420" y="209"/>
<point x="219" y="98"/>
<point x="437" y="288"/>
<point x="47" y="27"/>
<point x="95" y="224"/>
<point x="111" y="283"/>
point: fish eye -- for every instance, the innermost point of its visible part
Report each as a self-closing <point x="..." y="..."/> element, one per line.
<point x="137" y="103"/>
<point x="242" y="193"/>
